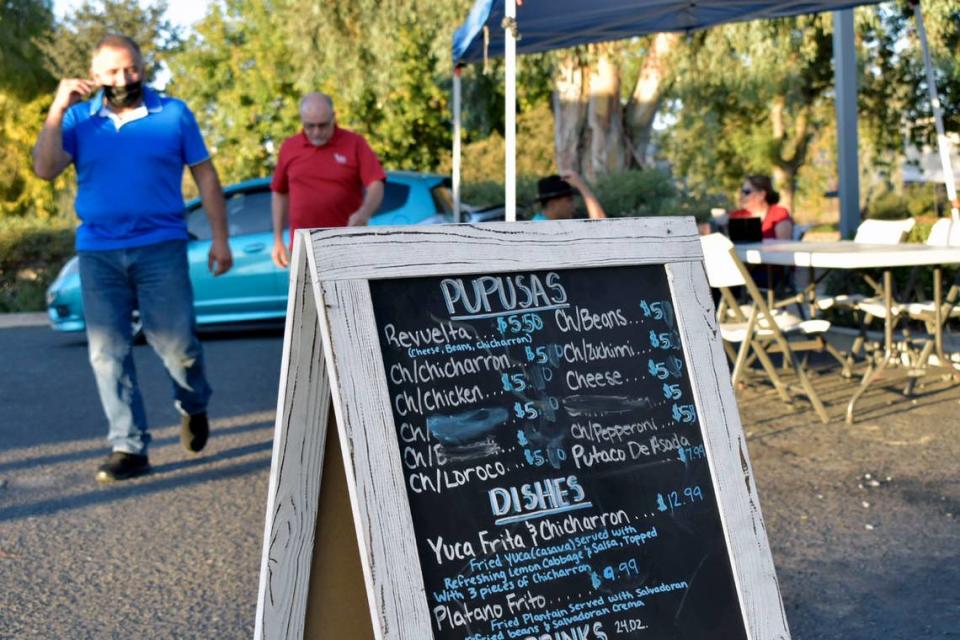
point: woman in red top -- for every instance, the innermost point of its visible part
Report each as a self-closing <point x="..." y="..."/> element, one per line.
<point x="758" y="198"/>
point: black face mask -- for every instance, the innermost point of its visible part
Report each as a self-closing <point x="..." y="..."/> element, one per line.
<point x="124" y="97"/>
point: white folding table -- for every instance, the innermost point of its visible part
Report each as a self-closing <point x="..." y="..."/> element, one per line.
<point x="849" y="255"/>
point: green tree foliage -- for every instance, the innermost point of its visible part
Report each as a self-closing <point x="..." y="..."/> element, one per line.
<point x="483" y="158"/>
<point x="24" y="97"/>
<point x="23" y="26"/>
<point x="21" y="192"/>
<point x="751" y="98"/>
<point x="758" y="98"/>
<point x="413" y="127"/>
<point x="942" y="19"/>
<point x="68" y="52"/>
<point x="240" y="77"/>
<point x="384" y="63"/>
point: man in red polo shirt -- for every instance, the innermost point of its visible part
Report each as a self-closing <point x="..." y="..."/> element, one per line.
<point x="325" y="176"/>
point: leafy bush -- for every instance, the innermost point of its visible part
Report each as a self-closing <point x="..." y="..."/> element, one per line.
<point x="919" y="233"/>
<point x="699" y="206"/>
<point x="889" y="205"/>
<point x="31" y="254"/>
<point x="649" y="192"/>
<point x="489" y="193"/>
<point x="912" y="200"/>
<point x="483" y="159"/>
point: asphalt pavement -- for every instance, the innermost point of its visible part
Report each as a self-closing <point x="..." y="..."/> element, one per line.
<point x="175" y="554"/>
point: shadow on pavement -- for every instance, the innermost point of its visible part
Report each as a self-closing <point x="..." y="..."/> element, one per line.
<point x="861" y="595"/>
<point x="101" y="449"/>
<point x="155" y="482"/>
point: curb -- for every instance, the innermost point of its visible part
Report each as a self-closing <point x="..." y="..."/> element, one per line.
<point x="11" y="320"/>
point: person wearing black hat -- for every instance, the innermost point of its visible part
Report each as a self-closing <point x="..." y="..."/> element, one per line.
<point x="555" y="194"/>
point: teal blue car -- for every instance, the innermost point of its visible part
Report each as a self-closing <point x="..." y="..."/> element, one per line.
<point x="255" y="289"/>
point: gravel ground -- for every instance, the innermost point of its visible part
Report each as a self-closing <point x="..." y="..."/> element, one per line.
<point x="862" y="519"/>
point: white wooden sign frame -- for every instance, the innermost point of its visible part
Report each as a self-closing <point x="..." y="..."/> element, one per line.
<point x="331" y="343"/>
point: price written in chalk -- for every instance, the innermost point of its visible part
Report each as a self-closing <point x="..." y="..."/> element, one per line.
<point x="543" y="354"/>
<point x="531" y="409"/>
<point x="660" y="310"/>
<point x="688" y="454"/>
<point x="672" y="391"/>
<point x="685" y="413"/>
<point x="515" y="382"/>
<point x="540" y="457"/>
<point x="519" y="323"/>
<point x="673" y="500"/>
<point x="664" y="340"/>
<point x="612" y="573"/>
<point x="663" y="369"/>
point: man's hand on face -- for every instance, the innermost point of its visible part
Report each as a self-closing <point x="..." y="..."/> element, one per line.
<point x="281" y="257"/>
<point x="358" y="219"/>
<point x="70" y="91"/>
<point x="220" y="258"/>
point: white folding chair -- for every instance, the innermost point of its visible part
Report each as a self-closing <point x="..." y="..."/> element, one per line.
<point x="944" y="233"/>
<point x="869" y="232"/>
<point x="940" y="236"/>
<point x="884" y="231"/>
<point x="758" y="330"/>
<point x="868" y="307"/>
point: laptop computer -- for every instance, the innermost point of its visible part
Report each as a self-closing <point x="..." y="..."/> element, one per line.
<point x="745" y="229"/>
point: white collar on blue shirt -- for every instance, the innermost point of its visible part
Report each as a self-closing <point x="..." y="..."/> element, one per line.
<point x="151" y="104"/>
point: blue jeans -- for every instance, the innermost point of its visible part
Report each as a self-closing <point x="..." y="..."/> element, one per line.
<point x="156" y="280"/>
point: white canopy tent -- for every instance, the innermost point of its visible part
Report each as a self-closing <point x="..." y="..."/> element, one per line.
<point x="494" y="27"/>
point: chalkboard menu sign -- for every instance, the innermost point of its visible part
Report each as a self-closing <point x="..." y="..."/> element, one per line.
<point x="510" y="431"/>
<point x="553" y="457"/>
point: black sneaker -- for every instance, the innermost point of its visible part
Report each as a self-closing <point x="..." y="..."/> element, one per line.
<point x="194" y="431"/>
<point x="121" y="465"/>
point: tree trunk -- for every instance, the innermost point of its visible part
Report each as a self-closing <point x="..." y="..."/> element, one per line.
<point x="784" y="178"/>
<point x="604" y="134"/>
<point x="792" y="147"/>
<point x="569" y="113"/>
<point x="652" y="83"/>
<point x="593" y="134"/>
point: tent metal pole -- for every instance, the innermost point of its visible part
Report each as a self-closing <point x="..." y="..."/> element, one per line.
<point x="942" y="140"/>
<point x="510" y="110"/>
<point x="848" y="168"/>
<point x="456" y="144"/>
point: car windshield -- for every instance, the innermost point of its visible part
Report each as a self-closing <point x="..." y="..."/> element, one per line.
<point x="247" y="212"/>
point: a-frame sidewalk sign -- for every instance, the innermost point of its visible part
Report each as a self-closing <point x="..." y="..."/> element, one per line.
<point x="510" y="430"/>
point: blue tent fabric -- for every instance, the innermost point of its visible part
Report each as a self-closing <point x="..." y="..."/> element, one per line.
<point x="556" y="24"/>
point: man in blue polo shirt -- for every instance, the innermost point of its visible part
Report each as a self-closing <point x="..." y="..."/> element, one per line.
<point x="129" y="146"/>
